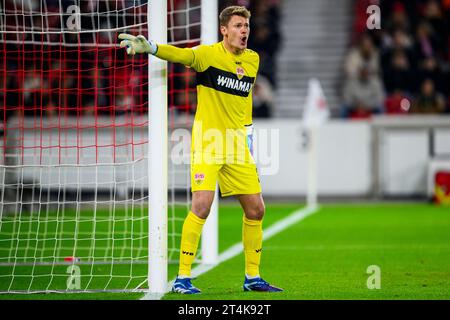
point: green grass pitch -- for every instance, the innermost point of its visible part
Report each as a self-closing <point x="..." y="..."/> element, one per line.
<point x="324" y="256"/>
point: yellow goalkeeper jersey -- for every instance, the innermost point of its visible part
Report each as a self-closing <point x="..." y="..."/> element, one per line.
<point x="224" y="95"/>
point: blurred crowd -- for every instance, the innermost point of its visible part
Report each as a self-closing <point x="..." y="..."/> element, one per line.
<point x="81" y="71"/>
<point x="44" y="72"/>
<point x="403" y="67"/>
<point x="265" y="38"/>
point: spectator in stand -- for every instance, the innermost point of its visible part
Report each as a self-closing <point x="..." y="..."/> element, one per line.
<point x="446" y="9"/>
<point x="264" y="25"/>
<point x="10" y="97"/>
<point x="399" y="75"/>
<point x="429" y="68"/>
<point x="89" y="77"/>
<point x="415" y="59"/>
<point x="428" y="101"/>
<point x="399" y="40"/>
<point x="398" y="102"/>
<point x="35" y="92"/>
<point x="399" y="18"/>
<point x="266" y="13"/>
<point x="55" y="77"/>
<point x="363" y="55"/>
<point x="262" y="98"/>
<point x="363" y="95"/>
<point x="425" y="45"/>
<point x="63" y="88"/>
<point x="184" y="97"/>
<point x="435" y="17"/>
<point x="261" y="38"/>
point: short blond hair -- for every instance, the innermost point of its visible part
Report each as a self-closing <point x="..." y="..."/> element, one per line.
<point x="228" y="12"/>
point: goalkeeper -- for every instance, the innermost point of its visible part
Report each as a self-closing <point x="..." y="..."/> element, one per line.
<point x="226" y="72"/>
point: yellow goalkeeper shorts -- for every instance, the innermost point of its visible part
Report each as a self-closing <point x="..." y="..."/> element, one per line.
<point x="234" y="178"/>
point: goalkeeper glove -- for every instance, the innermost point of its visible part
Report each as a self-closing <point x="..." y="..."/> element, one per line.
<point x="137" y="44"/>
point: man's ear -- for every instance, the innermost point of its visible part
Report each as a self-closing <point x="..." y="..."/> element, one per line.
<point x="223" y="30"/>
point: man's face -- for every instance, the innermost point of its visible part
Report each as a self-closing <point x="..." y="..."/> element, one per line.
<point x="236" y="32"/>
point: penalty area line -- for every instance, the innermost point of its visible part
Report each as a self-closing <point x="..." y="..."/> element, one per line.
<point x="237" y="248"/>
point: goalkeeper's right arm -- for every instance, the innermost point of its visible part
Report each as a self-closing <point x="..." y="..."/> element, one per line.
<point x="167" y="52"/>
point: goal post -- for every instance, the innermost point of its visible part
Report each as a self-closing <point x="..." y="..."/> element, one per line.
<point x="90" y="199"/>
<point x="158" y="137"/>
<point x="158" y="130"/>
<point x="210" y="235"/>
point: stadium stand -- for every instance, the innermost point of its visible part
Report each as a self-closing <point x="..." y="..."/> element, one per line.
<point x="410" y="54"/>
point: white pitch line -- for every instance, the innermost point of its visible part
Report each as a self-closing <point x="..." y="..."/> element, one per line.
<point x="236" y="249"/>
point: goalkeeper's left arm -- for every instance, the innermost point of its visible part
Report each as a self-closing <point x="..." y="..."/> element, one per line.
<point x="140" y="44"/>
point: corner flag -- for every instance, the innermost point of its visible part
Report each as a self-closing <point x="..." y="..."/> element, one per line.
<point x="315" y="114"/>
<point x="315" y="111"/>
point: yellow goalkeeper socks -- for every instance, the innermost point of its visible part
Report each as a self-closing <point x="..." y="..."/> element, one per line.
<point x="190" y="236"/>
<point x="252" y="235"/>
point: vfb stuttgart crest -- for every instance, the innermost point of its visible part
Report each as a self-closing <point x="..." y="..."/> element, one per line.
<point x="240" y="72"/>
<point x="199" y="178"/>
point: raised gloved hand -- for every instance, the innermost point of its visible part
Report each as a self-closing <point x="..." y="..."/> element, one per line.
<point x="137" y="44"/>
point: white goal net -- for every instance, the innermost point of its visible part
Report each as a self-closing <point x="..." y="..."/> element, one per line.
<point x="74" y="213"/>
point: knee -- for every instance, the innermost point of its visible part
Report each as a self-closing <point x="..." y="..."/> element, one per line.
<point x="256" y="212"/>
<point x="201" y="209"/>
